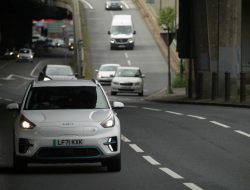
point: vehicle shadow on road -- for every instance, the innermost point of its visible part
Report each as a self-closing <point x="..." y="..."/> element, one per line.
<point x="54" y="169"/>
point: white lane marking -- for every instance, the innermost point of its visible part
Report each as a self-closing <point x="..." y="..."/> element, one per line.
<point x="195" y="116"/>
<point x="242" y="133"/>
<point x="9" y="77"/>
<point x="126" y="5"/>
<point x="129" y="62"/>
<point x="192" y="186"/>
<point x="131" y="106"/>
<point x="136" y="148"/>
<point x="176" y="113"/>
<point x="126" y="55"/>
<point x="4" y="65"/>
<point x="35" y="68"/>
<point x="152" y="109"/>
<point x="125" y="139"/>
<point x="220" y="124"/>
<point x="171" y="173"/>
<point x="7" y="99"/>
<point x="88" y="4"/>
<point x="151" y="160"/>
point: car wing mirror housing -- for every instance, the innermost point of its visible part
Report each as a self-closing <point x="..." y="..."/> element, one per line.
<point x="143" y="76"/>
<point x="109" y="32"/>
<point x="118" y="105"/>
<point x="134" y="32"/>
<point x="13" y="106"/>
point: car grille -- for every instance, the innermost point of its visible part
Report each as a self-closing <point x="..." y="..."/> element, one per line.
<point x="67" y="152"/>
<point x="121" y="40"/>
<point x="126" y="84"/>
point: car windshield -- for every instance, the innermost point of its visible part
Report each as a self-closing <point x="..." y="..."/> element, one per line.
<point x="24" y="51"/>
<point x="50" y="98"/>
<point x="108" y="68"/>
<point x="128" y="73"/>
<point x="60" y="71"/>
<point x="121" y="30"/>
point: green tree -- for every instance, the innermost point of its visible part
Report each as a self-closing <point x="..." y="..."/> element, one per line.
<point x="167" y="18"/>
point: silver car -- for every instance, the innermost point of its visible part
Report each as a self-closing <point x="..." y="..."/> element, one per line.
<point x="127" y="80"/>
<point x="67" y="121"/>
<point x="113" y="4"/>
<point x="57" y="72"/>
<point x="25" y="54"/>
<point x="106" y="72"/>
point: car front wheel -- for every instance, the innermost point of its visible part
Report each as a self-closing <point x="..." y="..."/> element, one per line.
<point x="113" y="164"/>
<point x="19" y="163"/>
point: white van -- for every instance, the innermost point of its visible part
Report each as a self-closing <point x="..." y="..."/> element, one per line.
<point x="122" y="32"/>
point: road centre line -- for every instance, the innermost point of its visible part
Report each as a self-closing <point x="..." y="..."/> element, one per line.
<point x="126" y="55"/>
<point x="220" y="124"/>
<point x="171" y="173"/>
<point x="242" y="133"/>
<point x="152" y="109"/>
<point x="176" y="113"/>
<point x="151" y="160"/>
<point x="125" y="139"/>
<point x="192" y="186"/>
<point x="129" y="62"/>
<point x="136" y="148"/>
<point x="195" y="116"/>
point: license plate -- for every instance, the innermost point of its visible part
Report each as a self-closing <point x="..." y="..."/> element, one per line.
<point x="121" y="46"/>
<point x="67" y="142"/>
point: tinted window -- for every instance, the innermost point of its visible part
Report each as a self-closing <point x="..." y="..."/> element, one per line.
<point x="59" y="71"/>
<point x="47" y="98"/>
<point x="128" y="73"/>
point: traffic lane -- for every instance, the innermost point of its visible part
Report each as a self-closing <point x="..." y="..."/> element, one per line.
<point x="136" y="173"/>
<point x="213" y="158"/>
<point x="146" y="54"/>
<point x="232" y="118"/>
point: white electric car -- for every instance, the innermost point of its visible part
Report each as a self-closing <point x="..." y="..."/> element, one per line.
<point x="67" y="121"/>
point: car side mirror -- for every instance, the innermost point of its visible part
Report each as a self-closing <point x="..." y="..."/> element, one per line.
<point x="13" y="106"/>
<point x="134" y="32"/>
<point x="118" y="105"/>
<point x="109" y="32"/>
<point x="143" y="76"/>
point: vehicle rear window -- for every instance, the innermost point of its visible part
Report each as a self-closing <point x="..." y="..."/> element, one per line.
<point x="48" y="98"/>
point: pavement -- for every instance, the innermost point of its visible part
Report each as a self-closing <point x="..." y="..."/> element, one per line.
<point x="179" y="96"/>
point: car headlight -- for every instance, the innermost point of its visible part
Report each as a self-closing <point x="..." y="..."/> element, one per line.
<point x="109" y="122"/>
<point x="25" y="123"/>
<point x="18" y="55"/>
<point x="130" y="40"/>
<point x="112" y="40"/>
<point x="31" y="57"/>
<point x="116" y="83"/>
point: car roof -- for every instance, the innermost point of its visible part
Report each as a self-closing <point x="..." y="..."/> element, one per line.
<point x="61" y="83"/>
<point x="109" y="64"/>
<point x="134" y="68"/>
<point x="57" y="66"/>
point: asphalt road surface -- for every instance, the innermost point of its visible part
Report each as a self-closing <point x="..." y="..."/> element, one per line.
<point x="164" y="146"/>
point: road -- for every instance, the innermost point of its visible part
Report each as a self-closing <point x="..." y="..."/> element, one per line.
<point x="164" y="146"/>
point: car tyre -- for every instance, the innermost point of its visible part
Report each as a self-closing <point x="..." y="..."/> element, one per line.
<point x="19" y="163"/>
<point x="113" y="164"/>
